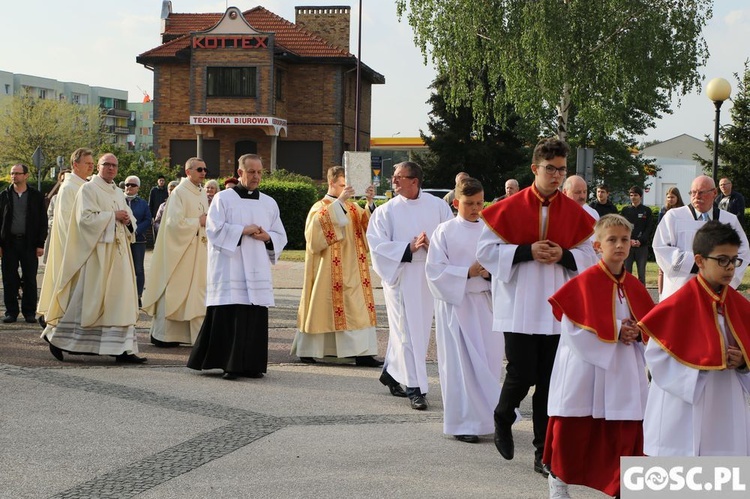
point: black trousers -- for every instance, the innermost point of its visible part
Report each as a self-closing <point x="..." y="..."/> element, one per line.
<point x="15" y="253"/>
<point x="530" y="359"/>
<point x="640" y="257"/>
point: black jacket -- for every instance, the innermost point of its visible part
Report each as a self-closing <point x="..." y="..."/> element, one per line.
<point x="36" y="217"/>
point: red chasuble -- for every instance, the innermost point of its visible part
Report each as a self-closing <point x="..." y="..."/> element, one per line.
<point x="518" y="219"/>
<point x="589" y="300"/>
<point x="686" y="324"/>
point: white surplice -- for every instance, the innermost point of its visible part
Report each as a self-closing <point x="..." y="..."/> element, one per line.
<point x="693" y="412"/>
<point x="673" y="247"/>
<point x="239" y="267"/>
<point x="470" y="354"/>
<point x="519" y="291"/>
<point x="408" y="301"/>
<point x="58" y="236"/>
<point x="596" y="378"/>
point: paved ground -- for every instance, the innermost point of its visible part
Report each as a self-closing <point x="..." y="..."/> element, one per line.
<point x="87" y="427"/>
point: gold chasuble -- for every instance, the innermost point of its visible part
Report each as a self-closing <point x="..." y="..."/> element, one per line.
<point x="175" y="292"/>
<point x="337" y="290"/>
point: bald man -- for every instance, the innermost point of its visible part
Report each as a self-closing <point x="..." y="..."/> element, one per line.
<point x="673" y="240"/>
<point x="575" y="188"/>
<point x="448" y="198"/>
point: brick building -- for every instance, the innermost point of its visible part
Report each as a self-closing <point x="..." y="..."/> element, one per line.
<point x="239" y="82"/>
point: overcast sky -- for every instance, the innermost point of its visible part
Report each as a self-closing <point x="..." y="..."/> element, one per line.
<point x="96" y="42"/>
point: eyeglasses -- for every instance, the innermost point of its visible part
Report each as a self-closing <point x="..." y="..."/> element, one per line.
<point x="552" y="170"/>
<point x="401" y="177"/>
<point x="109" y="165"/>
<point x="698" y="194"/>
<point x="200" y="169"/>
<point x="724" y="261"/>
<point x="132" y="185"/>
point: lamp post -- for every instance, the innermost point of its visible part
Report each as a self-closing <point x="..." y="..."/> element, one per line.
<point x="718" y="90"/>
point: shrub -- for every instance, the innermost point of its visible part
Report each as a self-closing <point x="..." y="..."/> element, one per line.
<point x="295" y="200"/>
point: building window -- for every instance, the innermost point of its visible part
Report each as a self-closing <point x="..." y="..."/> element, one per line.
<point x="279" y="85"/>
<point x="231" y="82"/>
<point x="42" y="93"/>
<point x="7" y="89"/>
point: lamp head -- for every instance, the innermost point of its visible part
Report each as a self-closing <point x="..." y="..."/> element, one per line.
<point x="718" y="90"/>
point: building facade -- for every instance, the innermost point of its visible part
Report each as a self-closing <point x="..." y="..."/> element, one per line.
<point x="143" y="137"/>
<point x="252" y="82"/>
<point x="676" y="167"/>
<point x="118" y="121"/>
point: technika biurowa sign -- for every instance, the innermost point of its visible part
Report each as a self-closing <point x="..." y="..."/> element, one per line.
<point x="230" y="41"/>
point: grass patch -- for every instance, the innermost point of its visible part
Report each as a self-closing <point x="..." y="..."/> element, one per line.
<point x="293" y="256"/>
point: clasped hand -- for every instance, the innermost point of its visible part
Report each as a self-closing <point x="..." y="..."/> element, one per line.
<point x="546" y="251"/>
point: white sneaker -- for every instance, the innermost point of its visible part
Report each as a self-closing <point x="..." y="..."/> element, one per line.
<point x="557" y="488"/>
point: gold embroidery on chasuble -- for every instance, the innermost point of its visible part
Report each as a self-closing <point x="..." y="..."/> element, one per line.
<point x="337" y="272"/>
<point x="360" y="229"/>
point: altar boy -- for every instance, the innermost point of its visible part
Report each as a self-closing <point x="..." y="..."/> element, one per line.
<point x="470" y="354"/>
<point x="598" y="390"/>
<point x="698" y="356"/>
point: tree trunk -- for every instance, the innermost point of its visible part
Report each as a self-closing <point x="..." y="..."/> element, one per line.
<point x="562" y="113"/>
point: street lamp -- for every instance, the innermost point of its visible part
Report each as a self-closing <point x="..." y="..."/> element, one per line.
<point x="718" y="90"/>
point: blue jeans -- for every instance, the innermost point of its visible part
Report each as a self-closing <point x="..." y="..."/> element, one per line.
<point x="139" y="253"/>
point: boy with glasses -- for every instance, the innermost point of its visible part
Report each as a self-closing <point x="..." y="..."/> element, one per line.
<point x="532" y="244"/>
<point x="697" y="355"/>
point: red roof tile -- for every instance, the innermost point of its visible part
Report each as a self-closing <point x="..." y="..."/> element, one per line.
<point x="288" y="36"/>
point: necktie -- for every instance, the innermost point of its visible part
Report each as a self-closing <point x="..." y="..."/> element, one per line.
<point x="704" y="217"/>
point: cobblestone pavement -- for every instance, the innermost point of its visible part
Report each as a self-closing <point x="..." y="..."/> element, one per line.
<point x="90" y="428"/>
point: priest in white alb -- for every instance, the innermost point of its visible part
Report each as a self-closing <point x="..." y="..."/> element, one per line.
<point x="82" y="162"/>
<point x="336" y="316"/>
<point x="94" y="306"/>
<point x="245" y="237"/>
<point x="470" y="353"/>
<point x="175" y="293"/>
<point x="399" y="237"/>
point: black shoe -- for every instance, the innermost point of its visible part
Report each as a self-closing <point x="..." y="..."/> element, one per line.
<point x="540" y="467"/>
<point x="56" y="352"/>
<point x="308" y="360"/>
<point x="31" y="319"/>
<point x="469" y="439"/>
<point x="504" y="440"/>
<point x="164" y="344"/>
<point x="130" y="358"/>
<point x="42" y="322"/>
<point x="252" y="374"/>
<point x="228" y="375"/>
<point x="418" y="402"/>
<point x="8" y="319"/>
<point x="392" y="384"/>
<point x="367" y="361"/>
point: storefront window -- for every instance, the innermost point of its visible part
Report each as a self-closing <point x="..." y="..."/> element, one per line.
<point x="231" y="82"/>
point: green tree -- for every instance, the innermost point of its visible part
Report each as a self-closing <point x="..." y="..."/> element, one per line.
<point x="58" y="127"/>
<point x="615" y="63"/>
<point x="493" y="154"/>
<point x="734" y="145"/>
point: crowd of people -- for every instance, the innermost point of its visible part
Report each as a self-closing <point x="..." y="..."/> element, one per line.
<point x="539" y="278"/>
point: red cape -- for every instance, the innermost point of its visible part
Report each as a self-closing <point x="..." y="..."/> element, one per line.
<point x="589" y="300"/>
<point x="686" y="324"/>
<point x="518" y="219"/>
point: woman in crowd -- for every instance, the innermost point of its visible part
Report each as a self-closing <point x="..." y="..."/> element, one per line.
<point x="673" y="200"/>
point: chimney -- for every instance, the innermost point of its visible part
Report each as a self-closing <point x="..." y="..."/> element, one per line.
<point x="166" y="9"/>
<point x="330" y="23"/>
